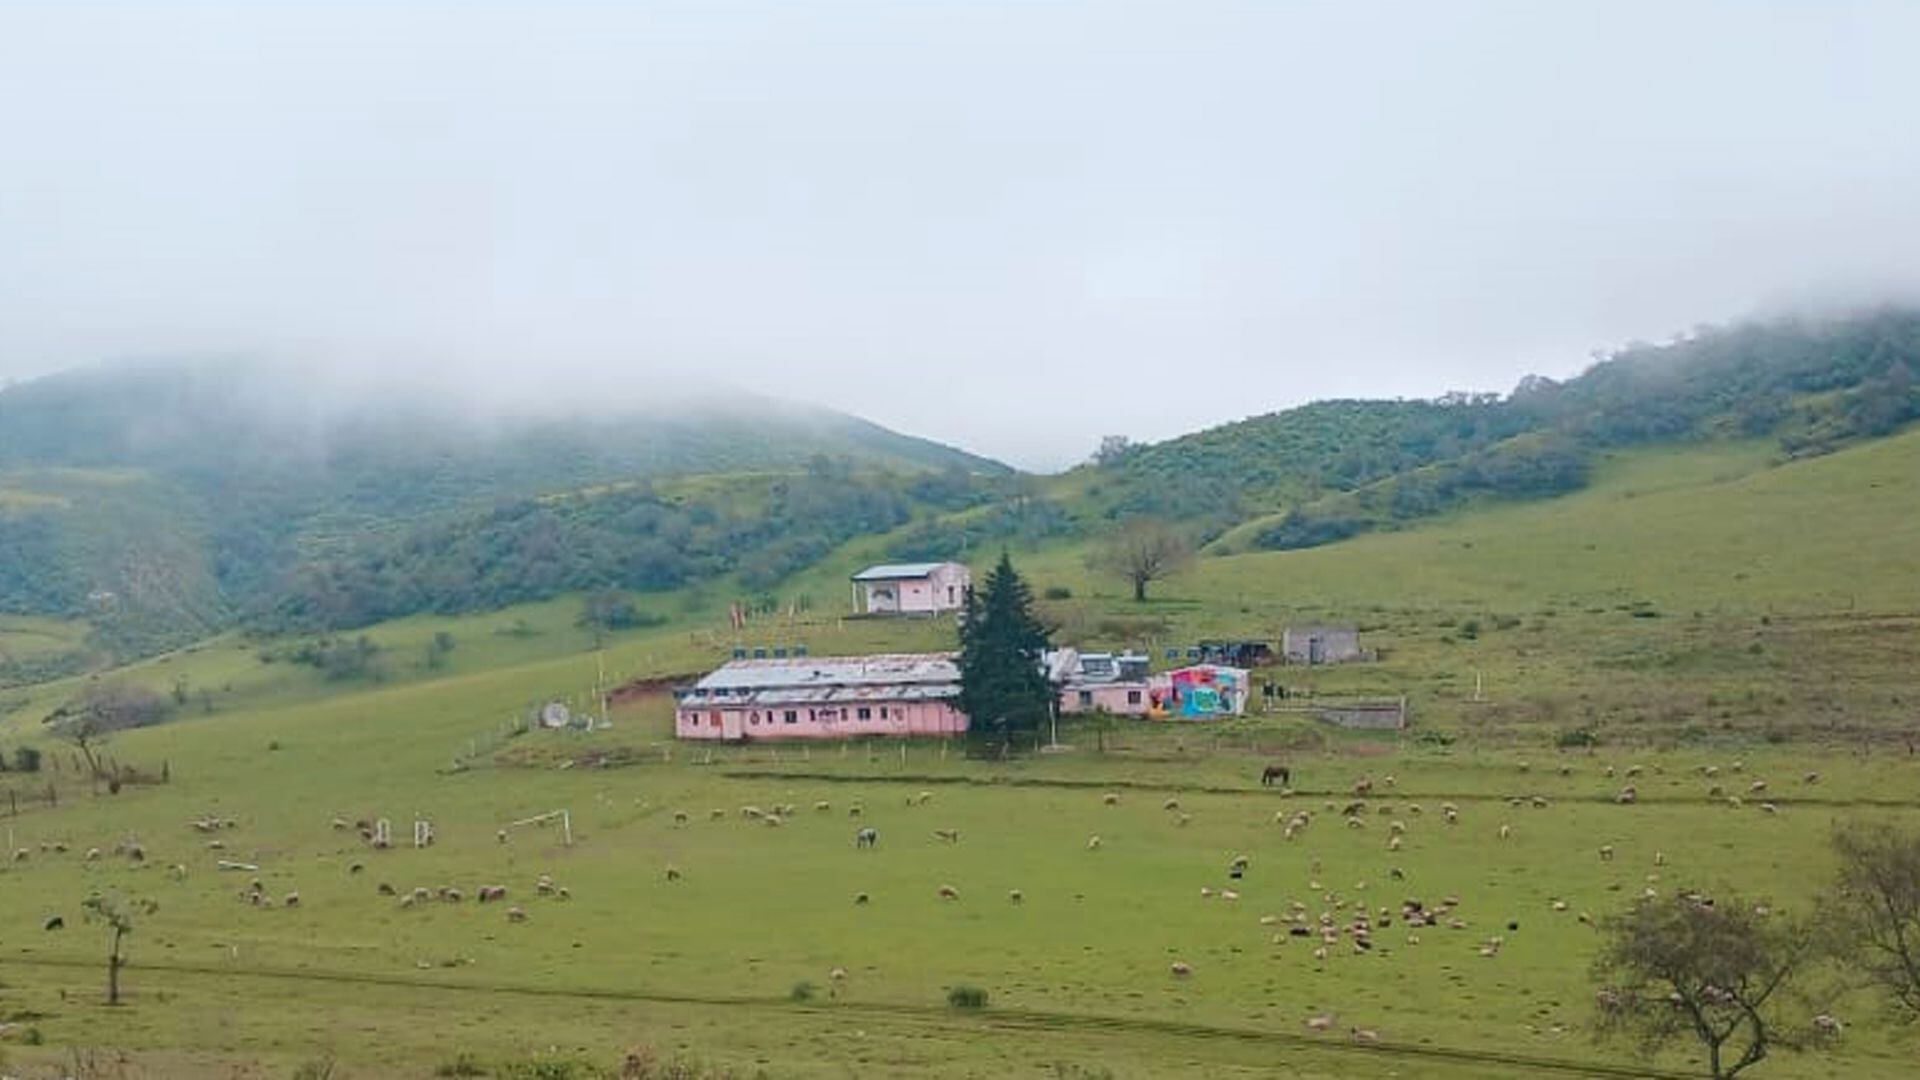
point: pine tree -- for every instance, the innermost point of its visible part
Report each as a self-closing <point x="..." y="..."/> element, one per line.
<point x="1003" y="689"/>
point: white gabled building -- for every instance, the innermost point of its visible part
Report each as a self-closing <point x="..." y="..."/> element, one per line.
<point x="911" y="588"/>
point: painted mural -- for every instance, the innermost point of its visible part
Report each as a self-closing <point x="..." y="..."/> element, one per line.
<point x="1203" y="692"/>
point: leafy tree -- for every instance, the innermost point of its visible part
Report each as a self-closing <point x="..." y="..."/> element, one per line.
<point x="1875" y="908"/>
<point x="1003" y="689"/>
<point x="119" y="913"/>
<point x="1684" y="966"/>
<point x="1144" y="551"/>
<point x="26" y="759"/>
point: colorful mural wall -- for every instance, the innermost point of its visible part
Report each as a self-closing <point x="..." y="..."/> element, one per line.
<point x="1203" y="692"/>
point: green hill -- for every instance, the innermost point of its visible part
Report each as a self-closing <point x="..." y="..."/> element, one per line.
<point x="160" y="502"/>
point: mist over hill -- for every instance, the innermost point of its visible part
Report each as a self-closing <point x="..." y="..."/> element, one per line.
<point x="162" y="499"/>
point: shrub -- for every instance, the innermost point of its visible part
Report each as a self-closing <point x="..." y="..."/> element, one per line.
<point x="967" y="997"/>
<point x="1580" y="736"/>
<point x="318" y="1069"/>
<point x="802" y="991"/>
<point x="26" y="758"/>
<point x="1058" y="592"/>
<point x="463" y="1065"/>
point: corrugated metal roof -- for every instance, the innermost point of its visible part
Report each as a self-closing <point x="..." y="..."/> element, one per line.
<point x="738" y="677"/>
<point x="898" y="571"/>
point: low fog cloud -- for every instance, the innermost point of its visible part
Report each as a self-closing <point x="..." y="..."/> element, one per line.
<point x="1013" y="226"/>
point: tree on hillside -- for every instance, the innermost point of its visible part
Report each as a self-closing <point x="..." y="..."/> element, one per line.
<point x="1875" y="908"/>
<point x="118" y="912"/>
<point x="1003" y="689"/>
<point x="100" y="710"/>
<point x="1145" y="550"/>
<point x="1711" y="969"/>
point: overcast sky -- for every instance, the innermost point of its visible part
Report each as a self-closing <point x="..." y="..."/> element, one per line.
<point x="1015" y="226"/>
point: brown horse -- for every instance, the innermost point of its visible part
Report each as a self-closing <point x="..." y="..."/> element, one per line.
<point x="1272" y="772"/>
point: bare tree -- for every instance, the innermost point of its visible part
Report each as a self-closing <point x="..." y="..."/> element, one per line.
<point x="1713" y="970"/>
<point x="102" y="709"/>
<point x="1145" y="550"/>
<point x="118" y="913"/>
<point x="1875" y="909"/>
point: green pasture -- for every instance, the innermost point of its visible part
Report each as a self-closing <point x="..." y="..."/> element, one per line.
<point x="1079" y="973"/>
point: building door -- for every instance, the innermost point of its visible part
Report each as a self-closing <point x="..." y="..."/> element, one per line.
<point x="1316" y="650"/>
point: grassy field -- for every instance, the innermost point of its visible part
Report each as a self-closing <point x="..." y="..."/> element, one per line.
<point x="1692" y="608"/>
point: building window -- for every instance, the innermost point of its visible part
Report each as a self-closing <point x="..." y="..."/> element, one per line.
<point x="1133" y="697"/>
<point x="791" y="717"/>
<point x="716" y="716"/>
<point x="883" y="712"/>
<point x="1086" y="698"/>
<point x="753" y="718"/>
<point x="865" y="713"/>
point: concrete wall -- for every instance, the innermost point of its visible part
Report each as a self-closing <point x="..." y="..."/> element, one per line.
<point x="1118" y="698"/>
<point x="1336" y="645"/>
<point x="735" y="722"/>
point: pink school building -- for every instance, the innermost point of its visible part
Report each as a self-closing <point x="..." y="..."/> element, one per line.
<point x="834" y="697"/>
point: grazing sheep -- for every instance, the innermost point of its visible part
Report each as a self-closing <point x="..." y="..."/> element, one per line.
<point x="752" y="812"/>
<point x="774" y="820"/>
<point x="516" y="914"/>
<point x="1628" y="796"/>
<point x="1365" y="1035"/>
<point x="925" y="797"/>
<point x="54" y="922"/>
<point x="948" y="892"/>
<point x="1229" y="894"/>
<point x="1183" y="820"/>
<point x="1633" y="771"/>
<point x="1506" y="831"/>
<point x="21" y="854"/>
<point x="563" y="893"/>
<point x="1170" y="804"/>
<point x="680" y="817"/>
<point x="1111" y="798"/>
<point x="855" y="811"/>
<point x="383" y="889"/>
<point x="673" y="873"/>
<point x="292" y="899"/>
<point x="1757" y="787"/>
<point x="1812" y="778"/>
<point x="93" y="854"/>
<point x="355" y="868"/>
<point x="838" y="975"/>
<point x="1320" y="1023"/>
<point x="340" y="825"/>
<point x="951" y="836"/>
<point x="489" y="893"/>
<point x="421" y="895"/>
<point x="501" y="836"/>
<point x="861" y="898"/>
<point x="716" y="814"/>
<point x="407" y="901"/>
<point x="1180" y="969"/>
<point x="1659" y="858"/>
<point x="544" y="885"/>
<point x="1093" y="843"/>
<point x="1826" y="1025"/>
<point x="1206" y="892"/>
<point x="1015" y="896"/>
<point x="1559" y="905"/>
<point x="1769" y="808"/>
<point x="1739" y="766"/>
<point x="1606" y="852"/>
<point x="1320" y="954"/>
<point x="452" y="895"/>
<point x="178" y="872"/>
<point x="866" y="838"/>
<point x="1363" y="787"/>
<point x="1393" y="843"/>
<point x="823" y="805"/>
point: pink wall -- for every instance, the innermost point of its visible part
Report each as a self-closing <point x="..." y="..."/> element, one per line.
<point x="928" y="718"/>
<point x="1120" y="699"/>
<point x="943" y="590"/>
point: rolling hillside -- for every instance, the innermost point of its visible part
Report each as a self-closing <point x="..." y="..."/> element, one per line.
<point x="160" y="502"/>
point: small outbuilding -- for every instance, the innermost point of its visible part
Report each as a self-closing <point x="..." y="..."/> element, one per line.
<point x="1322" y="644"/>
<point x="911" y="588"/>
